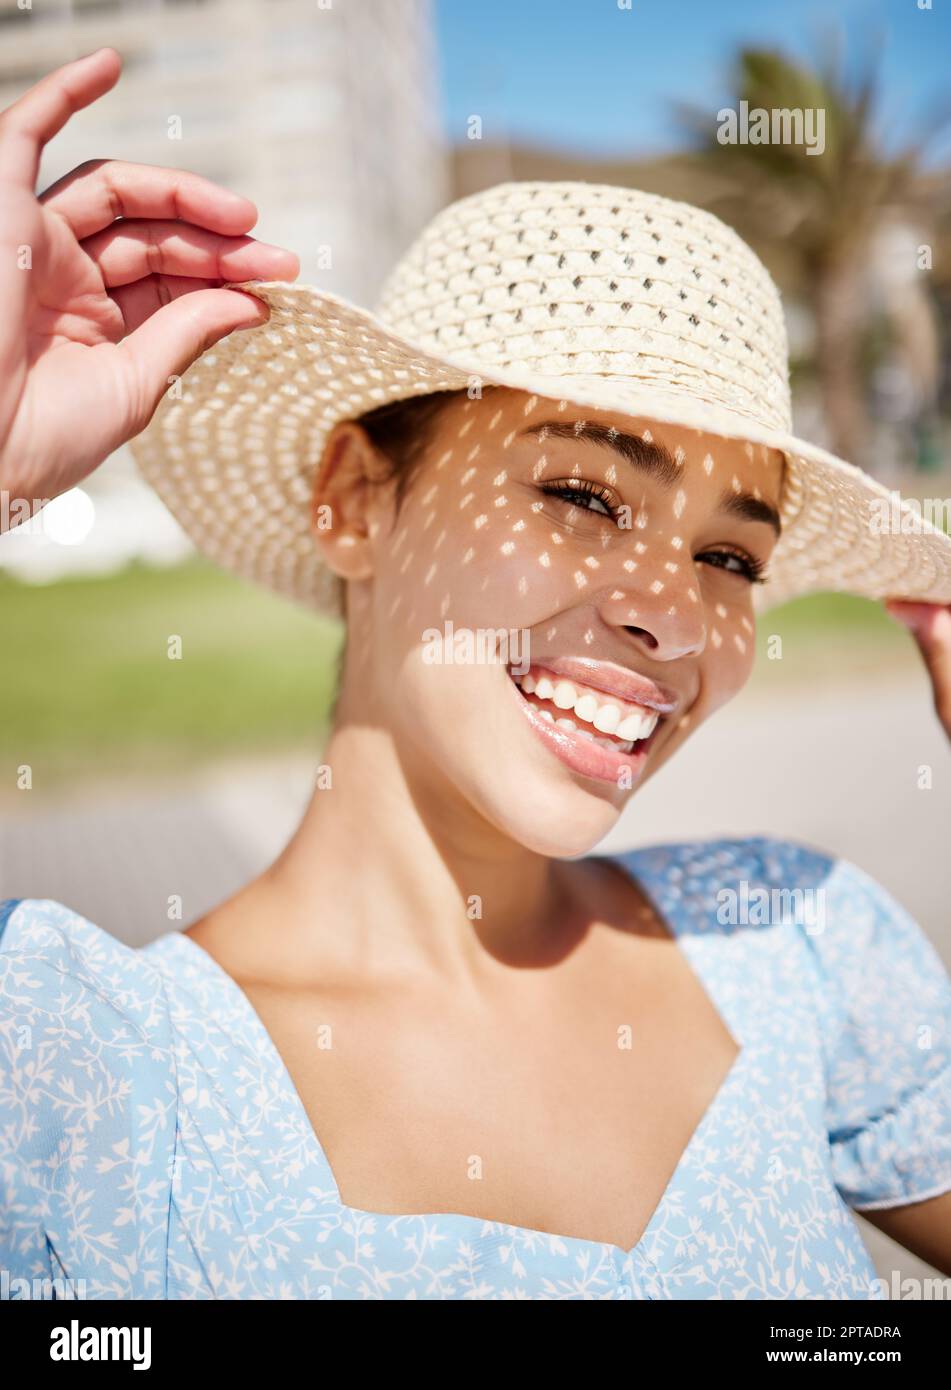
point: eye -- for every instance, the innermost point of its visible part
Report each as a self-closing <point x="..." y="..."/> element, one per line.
<point x="748" y="566"/>
<point x="581" y="492"/>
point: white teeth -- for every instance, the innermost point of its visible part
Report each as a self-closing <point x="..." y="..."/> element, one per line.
<point x="606" y="717"/>
<point x="586" y="707"/>
<point x="614" y="747"/>
<point x="565" y="695"/>
<point x="547" y="714"/>
<point x="637" y="726"/>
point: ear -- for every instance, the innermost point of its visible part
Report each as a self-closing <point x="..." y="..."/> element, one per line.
<point x="348" y="504"/>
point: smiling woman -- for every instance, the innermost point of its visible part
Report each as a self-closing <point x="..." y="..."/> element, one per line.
<point x="569" y="529"/>
<point x="404" y="432"/>
<point x="439" y="1048"/>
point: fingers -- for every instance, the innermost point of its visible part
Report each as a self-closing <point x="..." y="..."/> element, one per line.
<point x="141" y="299"/>
<point x="923" y="619"/>
<point x="44" y="109"/>
<point x="94" y="194"/>
<point x="930" y="625"/>
<point x="168" y="340"/>
<point x="130" y="250"/>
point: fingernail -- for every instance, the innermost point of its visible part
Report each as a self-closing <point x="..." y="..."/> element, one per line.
<point x="923" y="619"/>
<point x="941" y="627"/>
<point x="259" y="314"/>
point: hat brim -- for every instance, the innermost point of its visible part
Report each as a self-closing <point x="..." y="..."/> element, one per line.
<point x="232" y="453"/>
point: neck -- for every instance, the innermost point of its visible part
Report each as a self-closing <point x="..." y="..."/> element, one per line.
<point x="390" y="873"/>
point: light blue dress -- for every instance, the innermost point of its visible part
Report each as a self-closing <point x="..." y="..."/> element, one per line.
<point x="153" y="1145"/>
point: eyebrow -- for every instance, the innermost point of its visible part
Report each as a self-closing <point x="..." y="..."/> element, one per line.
<point x="656" y="462"/>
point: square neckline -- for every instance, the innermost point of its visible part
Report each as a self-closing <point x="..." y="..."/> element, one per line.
<point x="318" y="1153"/>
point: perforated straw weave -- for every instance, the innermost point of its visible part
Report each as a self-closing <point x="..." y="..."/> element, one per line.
<point x="607" y="297"/>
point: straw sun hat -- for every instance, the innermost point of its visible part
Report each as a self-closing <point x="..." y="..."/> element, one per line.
<point x="607" y="297"/>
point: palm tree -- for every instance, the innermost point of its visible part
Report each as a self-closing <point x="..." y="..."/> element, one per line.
<point x="819" y="213"/>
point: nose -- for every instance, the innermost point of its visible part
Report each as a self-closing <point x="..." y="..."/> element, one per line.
<point x="666" y="622"/>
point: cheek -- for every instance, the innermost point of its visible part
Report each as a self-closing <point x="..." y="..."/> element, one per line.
<point x="477" y="556"/>
<point x="450" y="710"/>
<point x="730" y="652"/>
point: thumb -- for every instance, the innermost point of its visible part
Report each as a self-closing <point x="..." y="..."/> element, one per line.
<point x="930" y="625"/>
<point x="170" y="340"/>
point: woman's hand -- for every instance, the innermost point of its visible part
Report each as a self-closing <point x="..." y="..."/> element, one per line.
<point x="930" y="625"/>
<point x="96" y="313"/>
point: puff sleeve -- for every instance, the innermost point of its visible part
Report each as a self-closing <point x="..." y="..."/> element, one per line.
<point x="885" y="1008"/>
<point x="87" y="1110"/>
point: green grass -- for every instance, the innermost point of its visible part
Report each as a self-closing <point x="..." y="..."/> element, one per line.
<point x="88" y="686"/>
<point x="830" y="637"/>
<point x="87" y="679"/>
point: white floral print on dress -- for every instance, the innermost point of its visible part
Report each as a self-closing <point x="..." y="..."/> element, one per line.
<point x="153" y="1145"/>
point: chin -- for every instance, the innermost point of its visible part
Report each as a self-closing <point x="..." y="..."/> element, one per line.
<point x="559" y="837"/>
<point x="537" y="802"/>
<point x="547" y="783"/>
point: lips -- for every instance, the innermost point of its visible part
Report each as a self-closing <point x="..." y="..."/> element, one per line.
<point x="612" y="679"/>
<point x="570" y="705"/>
<point x="588" y="744"/>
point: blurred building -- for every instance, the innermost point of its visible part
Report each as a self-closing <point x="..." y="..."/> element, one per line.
<point x="323" y="112"/>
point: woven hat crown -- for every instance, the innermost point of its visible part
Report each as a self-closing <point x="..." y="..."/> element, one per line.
<point x="578" y="279"/>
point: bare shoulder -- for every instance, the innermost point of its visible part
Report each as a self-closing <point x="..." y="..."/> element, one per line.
<point x="227" y="933"/>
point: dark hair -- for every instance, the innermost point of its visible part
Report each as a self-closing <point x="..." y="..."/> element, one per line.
<point x="401" y="431"/>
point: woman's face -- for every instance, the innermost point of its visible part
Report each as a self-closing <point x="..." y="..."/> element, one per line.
<point x="607" y="558"/>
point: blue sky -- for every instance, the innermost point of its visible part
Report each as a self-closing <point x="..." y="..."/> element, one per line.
<point x="586" y="77"/>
